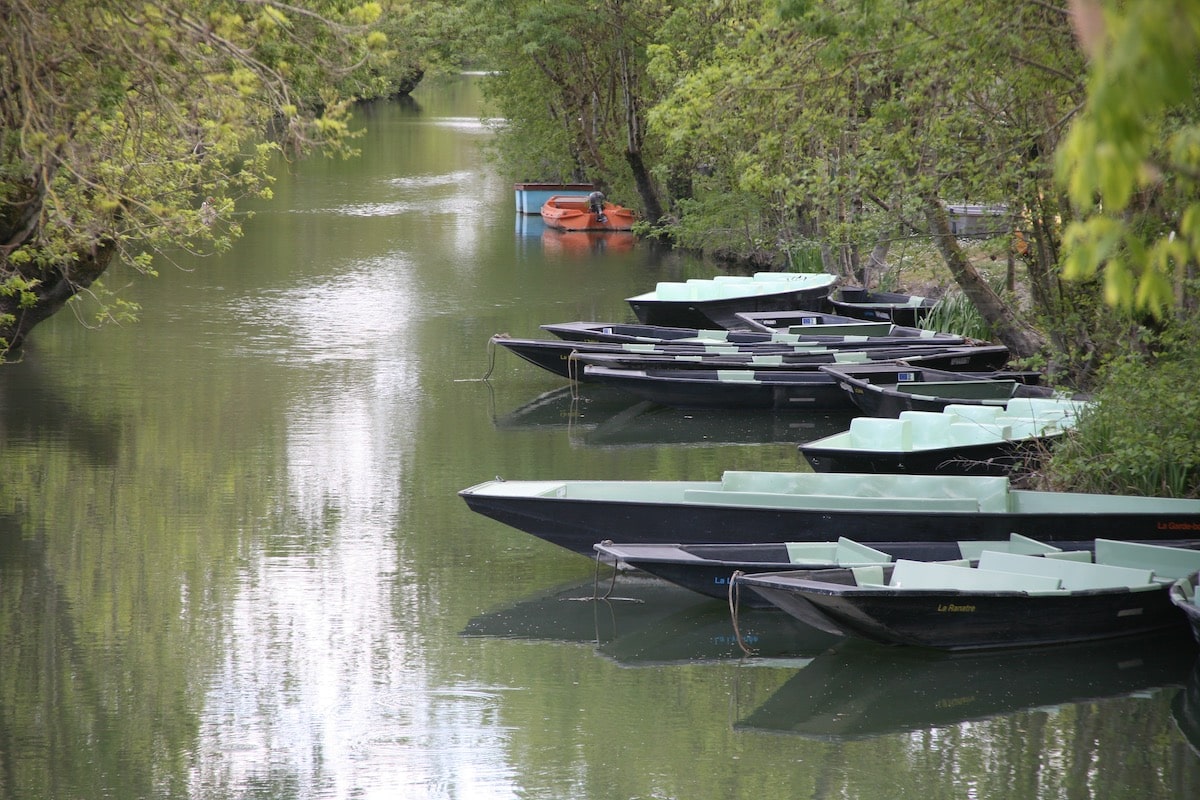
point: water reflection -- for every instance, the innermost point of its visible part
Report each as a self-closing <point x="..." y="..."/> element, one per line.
<point x="603" y="416"/>
<point x="637" y="620"/>
<point x="860" y="690"/>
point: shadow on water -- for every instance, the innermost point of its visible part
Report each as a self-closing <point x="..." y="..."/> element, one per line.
<point x="36" y="410"/>
<point x="861" y="690"/>
<point x="641" y="621"/>
<point x="604" y="417"/>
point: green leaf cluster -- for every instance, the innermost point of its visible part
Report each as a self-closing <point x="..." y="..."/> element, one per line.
<point x="128" y="130"/>
<point x="1131" y="163"/>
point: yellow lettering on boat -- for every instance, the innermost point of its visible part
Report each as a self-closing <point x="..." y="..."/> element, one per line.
<point x="957" y="609"/>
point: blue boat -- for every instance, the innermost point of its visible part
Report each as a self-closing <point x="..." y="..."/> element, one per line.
<point x="531" y="197"/>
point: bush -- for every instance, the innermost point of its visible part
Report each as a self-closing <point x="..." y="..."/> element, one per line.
<point x="1142" y="436"/>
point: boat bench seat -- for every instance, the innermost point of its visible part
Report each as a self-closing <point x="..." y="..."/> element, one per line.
<point x="988" y="494"/>
<point x="971" y="412"/>
<point x="844" y="553"/>
<point x="880" y="433"/>
<point x="933" y="575"/>
<point x="737" y="376"/>
<point x="971" y="390"/>
<point x="968" y="433"/>
<point x="831" y="501"/>
<point x="852" y="328"/>
<point x="971" y="549"/>
<point x="1169" y="563"/>
<point x="1075" y="575"/>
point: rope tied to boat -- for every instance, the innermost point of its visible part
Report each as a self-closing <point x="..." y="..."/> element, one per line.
<point x="596" y="578"/>
<point x="735" y="596"/>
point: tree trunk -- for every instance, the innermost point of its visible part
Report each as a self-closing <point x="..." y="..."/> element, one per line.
<point x="1021" y="340"/>
<point x="56" y="285"/>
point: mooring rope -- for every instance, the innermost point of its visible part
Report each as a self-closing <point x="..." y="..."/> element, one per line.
<point x="596" y="579"/>
<point x="492" y="353"/>
<point x="735" y="592"/>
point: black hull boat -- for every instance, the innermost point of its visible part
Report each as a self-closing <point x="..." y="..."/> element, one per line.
<point x="704" y="302"/>
<point x="725" y="388"/>
<point x="884" y="391"/>
<point x="960" y="359"/>
<point x="961" y="440"/>
<point x="860" y="691"/>
<point x="1005" y="600"/>
<point x="1183" y="595"/>
<point x="799" y="321"/>
<point x="707" y="569"/>
<point x="900" y="309"/>
<point x="746" y="507"/>
<point x="814" y="335"/>
<point x="777" y="389"/>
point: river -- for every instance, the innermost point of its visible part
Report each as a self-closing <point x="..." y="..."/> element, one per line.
<point x="233" y="563"/>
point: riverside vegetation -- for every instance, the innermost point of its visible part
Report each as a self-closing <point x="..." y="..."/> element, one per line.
<point x="767" y="133"/>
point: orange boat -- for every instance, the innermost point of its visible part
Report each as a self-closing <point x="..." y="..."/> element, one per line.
<point x="586" y="213"/>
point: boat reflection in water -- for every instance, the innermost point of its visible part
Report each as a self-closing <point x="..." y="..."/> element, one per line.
<point x="642" y="621"/>
<point x="586" y="243"/>
<point x="1185" y="709"/>
<point x="603" y="416"/>
<point x="863" y="690"/>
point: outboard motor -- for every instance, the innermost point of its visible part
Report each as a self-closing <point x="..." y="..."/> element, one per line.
<point x="596" y="206"/>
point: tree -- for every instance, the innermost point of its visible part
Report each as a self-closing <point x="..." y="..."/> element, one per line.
<point x="1131" y="163"/>
<point x="569" y="79"/>
<point x="130" y="130"/>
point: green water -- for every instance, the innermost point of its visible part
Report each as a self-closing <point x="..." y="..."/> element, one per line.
<point x="233" y="563"/>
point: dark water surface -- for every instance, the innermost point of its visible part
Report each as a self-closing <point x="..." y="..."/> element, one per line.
<point x="233" y="563"/>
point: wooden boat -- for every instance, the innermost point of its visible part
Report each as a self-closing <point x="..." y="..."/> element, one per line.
<point x="1004" y="600"/>
<point x="800" y="321"/>
<point x="959" y="440"/>
<point x="750" y="387"/>
<point x="563" y="358"/>
<point x="568" y="212"/>
<point x="859" y="691"/>
<point x="884" y="391"/>
<point x="827" y="335"/>
<point x="708" y="568"/>
<point x="702" y="302"/>
<point x="1186" y="599"/>
<point x="974" y="359"/>
<point x="749" y="506"/>
<point x="532" y="196"/>
<point x="725" y="388"/>
<point x="902" y="309"/>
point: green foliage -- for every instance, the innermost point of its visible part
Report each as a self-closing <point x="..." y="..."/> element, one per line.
<point x="1131" y="164"/>
<point x="1141" y="437"/>
<point x="955" y="313"/>
<point x="146" y="127"/>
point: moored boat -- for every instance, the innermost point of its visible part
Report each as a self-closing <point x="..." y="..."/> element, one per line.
<point x="584" y="213"/>
<point x="531" y="196"/>
<point x="1003" y="600"/>
<point x="799" y="321"/>
<point x="902" y="309"/>
<point x="702" y="302"/>
<point x="708" y="568"/>
<point x="1186" y="599"/>
<point x="751" y="506"/>
<point x="884" y="391"/>
<point x="827" y="334"/>
<point x="960" y="440"/>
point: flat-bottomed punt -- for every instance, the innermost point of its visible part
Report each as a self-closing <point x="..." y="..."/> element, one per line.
<point x="1004" y="600"/>
<point x="708" y="568"/>
<point x="882" y="391"/>
<point x="750" y="506"/>
<point x="902" y="309"/>
<point x="959" y="440"/>
<point x="702" y="302"/>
